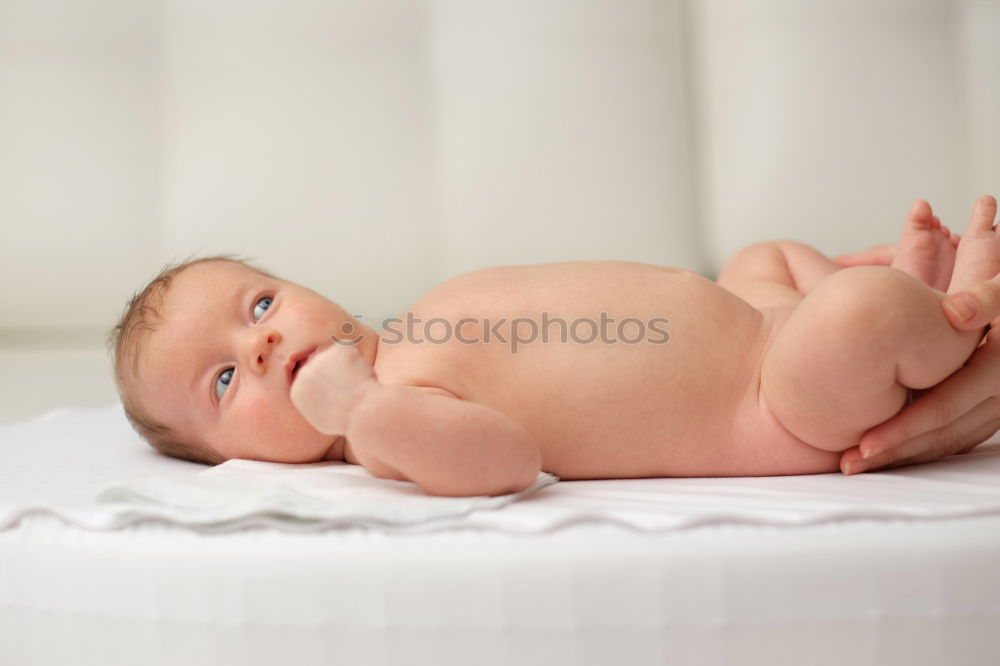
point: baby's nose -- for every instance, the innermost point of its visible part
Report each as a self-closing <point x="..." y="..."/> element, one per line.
<point x="260" y="347"/>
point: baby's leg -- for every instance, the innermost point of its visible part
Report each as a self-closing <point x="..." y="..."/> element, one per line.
<point x="843" y="360"/>
<point x="775" y="274"/>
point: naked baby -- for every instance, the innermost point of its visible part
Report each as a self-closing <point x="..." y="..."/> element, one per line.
<point x="583" y="369"/>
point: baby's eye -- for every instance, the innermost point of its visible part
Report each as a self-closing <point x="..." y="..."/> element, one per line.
<point x="222" y="381"/>
<point x="262" y="303"/>
<point x="225" y="377"/>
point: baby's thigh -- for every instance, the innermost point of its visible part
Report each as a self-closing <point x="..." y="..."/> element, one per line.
<point x="829" y="373"/>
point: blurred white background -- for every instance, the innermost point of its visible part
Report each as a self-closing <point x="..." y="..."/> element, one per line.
<point x="374" y="148"/>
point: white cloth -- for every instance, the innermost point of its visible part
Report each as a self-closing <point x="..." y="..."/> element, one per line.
<point x="294" y="497"/>
<point x="60" y="463"/>
<point x="89" y="468"/>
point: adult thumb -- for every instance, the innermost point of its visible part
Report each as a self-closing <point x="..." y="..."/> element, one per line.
<point x="974" y="307"/>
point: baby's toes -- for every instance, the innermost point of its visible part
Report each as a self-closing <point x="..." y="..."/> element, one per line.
<point x="919" y="235"/>
<point x="945" y="268"/>
<point x="978" y="254"/>
<point x="923" y="250"/>
<point x="920" y="216"/>
<point x="983" y="214"/>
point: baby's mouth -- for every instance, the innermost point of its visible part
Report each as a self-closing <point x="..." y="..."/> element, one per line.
<point x="296" y="362"/>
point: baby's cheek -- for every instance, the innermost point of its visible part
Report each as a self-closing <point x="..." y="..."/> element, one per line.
<point x="259" y="417"/>
<point x="284" y="432"/>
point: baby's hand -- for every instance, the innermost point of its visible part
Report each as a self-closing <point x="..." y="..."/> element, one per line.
<point x="331" y="385"/>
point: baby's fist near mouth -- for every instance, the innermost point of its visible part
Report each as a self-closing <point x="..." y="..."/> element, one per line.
<point x="331" y="385"/>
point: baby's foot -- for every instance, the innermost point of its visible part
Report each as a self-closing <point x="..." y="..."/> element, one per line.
<point x="978" y="257"/>
<point x="926" y="248"/>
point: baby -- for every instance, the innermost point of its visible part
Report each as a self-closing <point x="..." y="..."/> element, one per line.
<point x="587" y="370"/>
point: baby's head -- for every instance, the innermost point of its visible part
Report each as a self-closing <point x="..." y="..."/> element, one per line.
<point x="204" y="358"/>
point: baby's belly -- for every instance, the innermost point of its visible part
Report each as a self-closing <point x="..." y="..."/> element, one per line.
<point x="686" y="407"/>
<point x="707" y="418"/>
<point x="692" y="408"/>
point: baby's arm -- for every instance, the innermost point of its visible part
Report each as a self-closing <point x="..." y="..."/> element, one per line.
<point x="446" y="445"/>
<point x="775" y="274"/>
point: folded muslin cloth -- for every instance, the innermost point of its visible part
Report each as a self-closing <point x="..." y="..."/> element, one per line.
<point x="87" y="467"/>
<point x="238" y="493"/>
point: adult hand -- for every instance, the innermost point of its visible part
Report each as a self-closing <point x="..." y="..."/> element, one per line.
<point x="952" y="417"/>
<point x="974" y="307"/>
<point x="878" y="255"/>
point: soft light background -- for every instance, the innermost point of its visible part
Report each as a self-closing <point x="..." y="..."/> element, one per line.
<point x="374" y="148"/>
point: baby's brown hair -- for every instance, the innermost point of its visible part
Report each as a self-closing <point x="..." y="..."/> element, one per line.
<point x="142" y="314"/>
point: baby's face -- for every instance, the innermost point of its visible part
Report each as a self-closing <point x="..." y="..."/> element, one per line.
<point x="219" y="365"/>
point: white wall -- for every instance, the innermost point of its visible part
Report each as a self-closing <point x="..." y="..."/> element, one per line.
<point x="410" y="140"/>
<point x="334" y="139"/>
<point x="78" y="152"/>
<point x="823" y="121"/>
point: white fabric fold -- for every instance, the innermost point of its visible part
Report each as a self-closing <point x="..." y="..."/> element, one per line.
<point x="242" y="493"/>
<point x="88" y="468"/>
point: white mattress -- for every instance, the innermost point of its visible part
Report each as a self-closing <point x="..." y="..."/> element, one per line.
<point x="860" y="591"/>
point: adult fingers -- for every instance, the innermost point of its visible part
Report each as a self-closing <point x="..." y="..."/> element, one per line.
<point x="976" y="383"/>
<point x="960" y="436"/>
<point x="973" y="307"/>
<point x="879" y="255"/>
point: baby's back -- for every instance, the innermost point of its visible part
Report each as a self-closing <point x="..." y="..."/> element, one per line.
<point x="618" y="369"/>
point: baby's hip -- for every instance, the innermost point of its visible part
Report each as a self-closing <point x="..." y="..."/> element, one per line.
<point x="760" y="444"/>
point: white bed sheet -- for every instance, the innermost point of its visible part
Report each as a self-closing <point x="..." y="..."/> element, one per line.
<point x="88" y="467"/>
<point x="861" y="592"/>
<point x="845" y="591"/>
